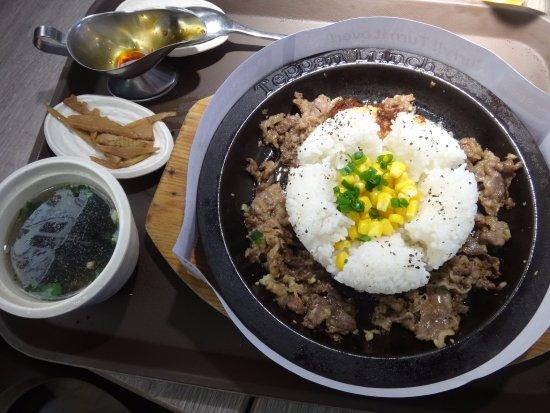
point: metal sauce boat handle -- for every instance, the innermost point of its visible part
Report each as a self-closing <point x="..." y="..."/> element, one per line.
<point x="239" y="28"/>
<point x="50" y="40"/>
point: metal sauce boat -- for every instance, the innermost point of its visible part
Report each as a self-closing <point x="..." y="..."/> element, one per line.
<point x="128" y="46"/>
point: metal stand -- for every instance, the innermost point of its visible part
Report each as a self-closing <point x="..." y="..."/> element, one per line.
<point x="152" y="84"/>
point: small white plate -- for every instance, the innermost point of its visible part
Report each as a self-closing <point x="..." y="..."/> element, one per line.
<point x="133" y="5"/>
<point x="64" y="142"/>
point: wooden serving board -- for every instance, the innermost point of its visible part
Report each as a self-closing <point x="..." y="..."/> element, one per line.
<point x="167" y="208"/>
<point x="165" y="214"/>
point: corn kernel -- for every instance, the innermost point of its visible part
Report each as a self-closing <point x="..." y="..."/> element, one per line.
<point x="412" y="209"/>
<point x="378" y="168"/>
<point x="361" y="186"/>
<point x="354" y="215"/>
<point x="352" y="232"/>
<point x="350" y="179"/>
<point x="401" y="211"/>
<point x="408" y="191"/>
<point x="364" y="226"/>
<point x="396" y="219"/>
<point x="404" y="177"/>
<point x="400" y="184"/>
<point x="363" y="167"/>
<point x="375" y="229"/>
<point x="383" y="201"/>
<point x="340" y="245"/>
<point x="366" y="202"/>
<point x="387" y="227"/>
<point x="397" y="168"/>
<point x="341" y="259"/>
<point x="384" y="214"/>
<point x="388" y="190"/>
<point x="374" y="196"/>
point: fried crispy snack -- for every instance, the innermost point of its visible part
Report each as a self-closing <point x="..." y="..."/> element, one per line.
<point x="80" y="107"/>
<point x="92" y="123"/>
<point x="122" y="145"/>
<point x="127" y="152"/>
<point x="144" y="127"/>
<point x="83" y="135"/>
<point x="122" y="164"/>
<point x="114" y="140"/>
<point x="113" y="158"/>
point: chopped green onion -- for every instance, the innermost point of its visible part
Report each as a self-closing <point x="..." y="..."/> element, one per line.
<point x="256" y="236"/>
<point x="358" y="155"/>
<point x="28" y="209"/>
<point x="364" y="238"/>
<point x="347" y="185"/>
<point x="371" y="178"/>
<point x="358" y="206"/>
<point x="373" y="213"/>
<point x="385" y="160"/>
<point x="346" y="170"/>
<point x="51" y="290"/>
<point x="399" y="202"/>
<point x="343" y="203"/>
<point x="336" y="190"/>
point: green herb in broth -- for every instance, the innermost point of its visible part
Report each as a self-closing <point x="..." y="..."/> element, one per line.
<point x="27" y="210"/>
<point x="62" y="240"/>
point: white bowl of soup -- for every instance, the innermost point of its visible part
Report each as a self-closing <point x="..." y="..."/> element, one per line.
<point x="68" y="237"/>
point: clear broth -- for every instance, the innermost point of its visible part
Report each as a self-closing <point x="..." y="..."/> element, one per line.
<point x="61" y="240"/>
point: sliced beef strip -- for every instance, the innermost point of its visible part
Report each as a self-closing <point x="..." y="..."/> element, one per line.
<point x="287" y="132"/>
<point x="332" y="311"/>
<point x="472" y="149"/>
<point x="492" y="231"/>
<point x="492" y="174"/>
<point x="263" y="174"/>
<point x="390" y="107"/>
<point x="433" y="313"/>
<point x="462" y="273"/>
<point x="392" y="309"/>
<point x="473" y="246"/>
<point x="325" y="309"/>
<point x="488" y="231"/>
<point x="267" y="214"/>
<point x="438" y="318"/>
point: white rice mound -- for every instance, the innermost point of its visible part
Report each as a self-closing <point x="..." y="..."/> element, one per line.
<point x="349" y="131"/>
<point x="312" y="211"/>
<point x="389" y="264"/>
<point x="372" y="267"/>
<point x="445" y="215"/>
<point x="422" y="145"/>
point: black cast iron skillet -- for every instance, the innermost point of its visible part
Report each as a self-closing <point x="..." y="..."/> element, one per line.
<point x="442" y="94"/>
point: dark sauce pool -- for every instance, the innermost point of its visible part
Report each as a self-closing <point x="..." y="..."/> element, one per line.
<point x="61" y="240"/>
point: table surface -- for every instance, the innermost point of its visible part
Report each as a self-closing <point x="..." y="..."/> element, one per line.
<point x="27" y="80"/>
